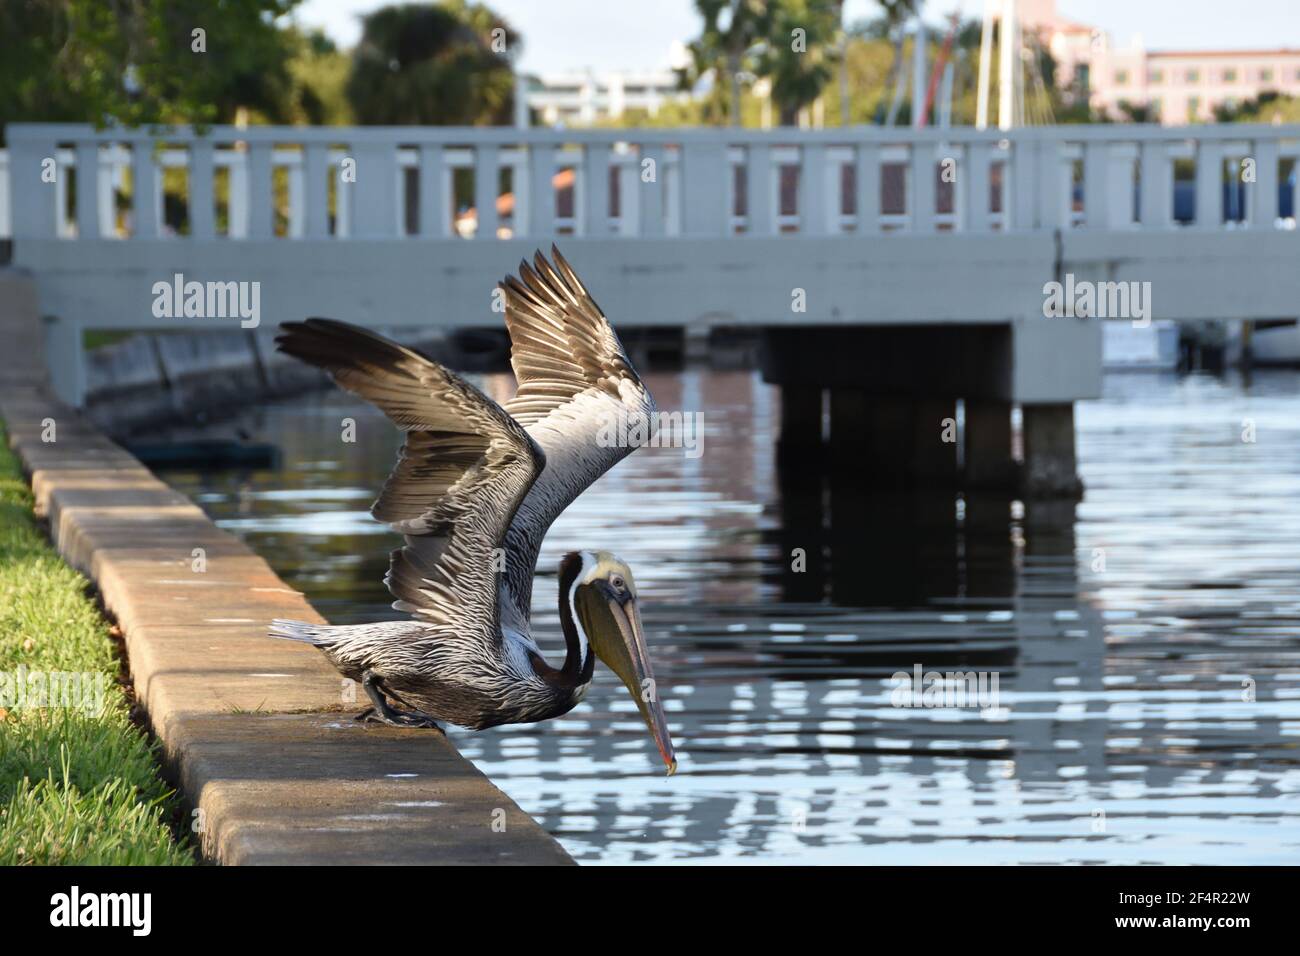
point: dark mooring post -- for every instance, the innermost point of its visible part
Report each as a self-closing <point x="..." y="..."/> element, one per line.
<point x="888" y="441"/>
<point x="934" y="443"/>
<point x="801" y="421"/>
<point x="988" y="459"/>
<point x="1051" y="469"/>
<point x="850" y="427"/>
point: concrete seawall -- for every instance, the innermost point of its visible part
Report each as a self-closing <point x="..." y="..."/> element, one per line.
<point x="258" y="733"/>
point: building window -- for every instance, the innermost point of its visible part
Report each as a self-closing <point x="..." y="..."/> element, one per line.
<point x="1121" y="77"/>
<point x="1266" y="76"/>
<point x="1230" y="75"/>
<point x="1155" y="76"/>
<point x="1193" y="76"/>
<point x="1193" y="108"/>
<point x="1153" y="108"/>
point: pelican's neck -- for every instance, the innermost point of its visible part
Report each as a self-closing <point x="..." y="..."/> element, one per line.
<point x="578" y="659"/>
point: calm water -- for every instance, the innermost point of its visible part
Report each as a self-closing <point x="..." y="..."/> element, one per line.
<point x="1125" y="634"/>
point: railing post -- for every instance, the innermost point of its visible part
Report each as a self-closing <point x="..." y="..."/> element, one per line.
<point x="297" y="192"/>
<point x="260" y="200"/>
<point x="88" y="226"/>
<point x="704" y="183"/>
<point x="867" y="188"/>
<point x="976" y="187"/>
<point x="541" y="189"/>
<point x="814" y="207"/>
<point x="315" y="191"/>
<point x="144" y="190"/>
<point x="595" y="180"/>
<point x="629" y="208"/>
<point x="34" y="207"/>
<point x="1096" y="185"/>
<point x="486" y="189"/>
<point x="344" y="198"/>
<point x="1120" y="179"/>
<point x="1209" y="184"/>
<point x="1019" y="184"/>
<point x="1157" y="186"/>
<point x="62" y="203"/>
<point x="1262" y="192"/>
<point x="202" y="211"/>
<point x="434" y="220"/>
<point x="107" y="192"/>
<point x="1051" y="199"/>
<point x="375" y="212"/>
<point x="920" y="193"/>
<point x="760" y="201"/>
<point x="653" y="215"/>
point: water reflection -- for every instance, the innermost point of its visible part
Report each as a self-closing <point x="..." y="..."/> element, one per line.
<point x="1126" y="635"/>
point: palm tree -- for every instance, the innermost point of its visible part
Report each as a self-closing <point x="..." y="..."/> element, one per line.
<point x="728" y="45"/>
<point x="799" y="75"/>
<point x="444" y="65"/>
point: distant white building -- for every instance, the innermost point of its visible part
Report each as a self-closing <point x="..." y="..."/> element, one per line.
<point x="586" y="97"/>
<point x="1180" y="86"/>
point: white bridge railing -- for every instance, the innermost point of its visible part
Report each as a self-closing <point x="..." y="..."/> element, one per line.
<point x="394" y="182"/>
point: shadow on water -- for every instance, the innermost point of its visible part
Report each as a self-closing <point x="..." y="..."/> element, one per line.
<point x="1144" y="642"/>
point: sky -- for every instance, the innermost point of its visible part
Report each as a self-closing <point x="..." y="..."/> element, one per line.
<point x="562" y="35"/>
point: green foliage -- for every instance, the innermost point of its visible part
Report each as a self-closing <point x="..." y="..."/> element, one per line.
<point x="800" y="66"/>
<point x="1269" y="107"/>
<point x="433" y="64"/>
<point x="136" y="62"/>
<point x="75" y="786"/>
<point x="318" y="75"/>
<point x="729" y="44"/>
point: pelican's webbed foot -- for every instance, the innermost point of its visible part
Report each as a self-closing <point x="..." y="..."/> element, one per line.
<point x="383" y="713"/>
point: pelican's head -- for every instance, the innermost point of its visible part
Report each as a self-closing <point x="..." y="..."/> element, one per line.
<point x="603" y="597"/>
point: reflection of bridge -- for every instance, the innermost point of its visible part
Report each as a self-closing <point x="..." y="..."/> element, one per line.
<point x="917" y="258"/>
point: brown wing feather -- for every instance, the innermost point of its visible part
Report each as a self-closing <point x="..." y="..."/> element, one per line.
<point x="575" y="379"/>
<point x="462" y="473"/>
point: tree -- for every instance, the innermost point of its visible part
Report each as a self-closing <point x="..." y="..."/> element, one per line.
<point x="319" y="74"/>
<point x="800" y="52"/>
<point x="447" y="64"/>
<point x="728" y="45"/>
<point x="142" y="61"/>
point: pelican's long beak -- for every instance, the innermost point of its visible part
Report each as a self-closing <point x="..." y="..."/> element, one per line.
<point x="642" y="684"/>
<point x="622" y="648"/>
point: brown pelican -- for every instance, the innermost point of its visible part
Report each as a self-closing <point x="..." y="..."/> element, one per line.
<point x="475" y="488"/>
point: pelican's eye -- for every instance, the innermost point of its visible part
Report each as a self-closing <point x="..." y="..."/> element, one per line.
<point x="617" y="583"/>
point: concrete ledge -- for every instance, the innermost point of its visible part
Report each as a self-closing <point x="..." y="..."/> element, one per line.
<point x="256" y="731"/>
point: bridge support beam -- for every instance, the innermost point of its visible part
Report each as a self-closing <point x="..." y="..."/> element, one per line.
<point x="988" y="462"/>
<point x="893" y="393"/>
<point x="1050" y="465"/>
<point x="801" y="421"/>
<point x="934" y="443"/>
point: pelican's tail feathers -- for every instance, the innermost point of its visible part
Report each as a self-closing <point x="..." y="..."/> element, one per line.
<point x="321" y="635"/>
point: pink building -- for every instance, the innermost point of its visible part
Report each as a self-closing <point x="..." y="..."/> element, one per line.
<point x="1182" y="86"/>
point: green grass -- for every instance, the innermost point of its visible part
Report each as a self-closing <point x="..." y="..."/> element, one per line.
<point x="76" y="787"/>
<point x="94" y="338"/>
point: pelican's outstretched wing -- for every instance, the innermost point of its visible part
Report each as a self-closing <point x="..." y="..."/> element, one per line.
<point x="575" y="387"/>
<point x="464" y="470"/>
